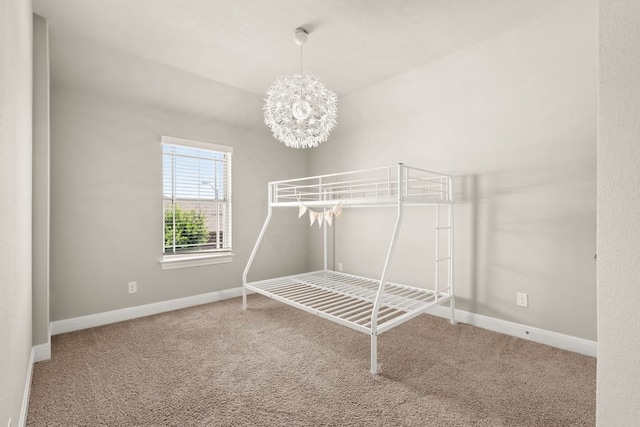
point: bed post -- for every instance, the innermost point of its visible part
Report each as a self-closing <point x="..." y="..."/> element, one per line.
<point x="452" y="301"/>
<point x="325" y="240"/>
<point x="255" y="248"/>
<point x="385" y="271"/>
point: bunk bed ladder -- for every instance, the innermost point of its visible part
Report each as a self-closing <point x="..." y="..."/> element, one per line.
<point x="448" y="228"/>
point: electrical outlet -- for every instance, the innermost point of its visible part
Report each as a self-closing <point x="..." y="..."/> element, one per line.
<point x="339" y="266"/>
<point x="522" y="299"/>
<point x="133" y="287"/>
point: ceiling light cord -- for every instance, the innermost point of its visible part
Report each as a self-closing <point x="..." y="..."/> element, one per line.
<point x="301" y="71"/>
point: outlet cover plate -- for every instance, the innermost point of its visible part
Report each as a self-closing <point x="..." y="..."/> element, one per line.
<point x="133" y="287"/>
<point x="522" y="299"/>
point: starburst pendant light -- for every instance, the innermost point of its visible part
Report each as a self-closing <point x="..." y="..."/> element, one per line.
<point x="299" y="109"/>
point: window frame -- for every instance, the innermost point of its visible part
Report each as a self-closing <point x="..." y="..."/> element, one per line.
<point x="195" y="259"/>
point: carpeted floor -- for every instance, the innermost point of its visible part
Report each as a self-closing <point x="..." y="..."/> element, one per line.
<point x="273" y="365"/>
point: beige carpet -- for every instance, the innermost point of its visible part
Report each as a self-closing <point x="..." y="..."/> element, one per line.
<point x="273" y="365"/>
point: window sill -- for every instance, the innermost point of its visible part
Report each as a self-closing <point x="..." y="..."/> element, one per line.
<point x="171" y="262"/>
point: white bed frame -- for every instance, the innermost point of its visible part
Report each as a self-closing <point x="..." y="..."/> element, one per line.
<point x="372" y="306"/>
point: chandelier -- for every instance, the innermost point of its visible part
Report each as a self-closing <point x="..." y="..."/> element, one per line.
<point x="299" y="108"/>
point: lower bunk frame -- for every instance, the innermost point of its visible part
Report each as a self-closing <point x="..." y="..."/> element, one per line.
<point x="349" y="300"/>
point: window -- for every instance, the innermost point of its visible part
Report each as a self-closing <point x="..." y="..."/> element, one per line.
<point x="196" y="193"/>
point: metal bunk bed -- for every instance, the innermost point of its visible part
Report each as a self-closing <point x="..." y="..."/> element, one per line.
<point x="372" y="306"/>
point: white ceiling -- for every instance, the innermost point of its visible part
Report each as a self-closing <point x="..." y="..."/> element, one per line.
<point x="249" y="43"/>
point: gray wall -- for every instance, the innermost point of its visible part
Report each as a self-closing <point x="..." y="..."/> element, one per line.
<point x="16" y="26"/>
<point x="559" y="79"/>
<point x="108" y="111"/>
<point x="619" y="215"/>
<point x="40" y="202"/>
<point x="514" y="120"/>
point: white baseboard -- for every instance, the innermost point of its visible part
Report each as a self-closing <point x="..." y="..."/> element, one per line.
<point x="542" y="336"/>
<point x="24" y="410"/>
<point x="42" y="352"/>
<point x="99" y="319"/>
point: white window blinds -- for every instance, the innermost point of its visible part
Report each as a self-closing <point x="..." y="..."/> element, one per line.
<point x="196" y="193"/>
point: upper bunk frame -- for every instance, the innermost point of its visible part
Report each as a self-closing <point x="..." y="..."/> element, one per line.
<point x="368" y="305"/>
<point x="362" y="188"/>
